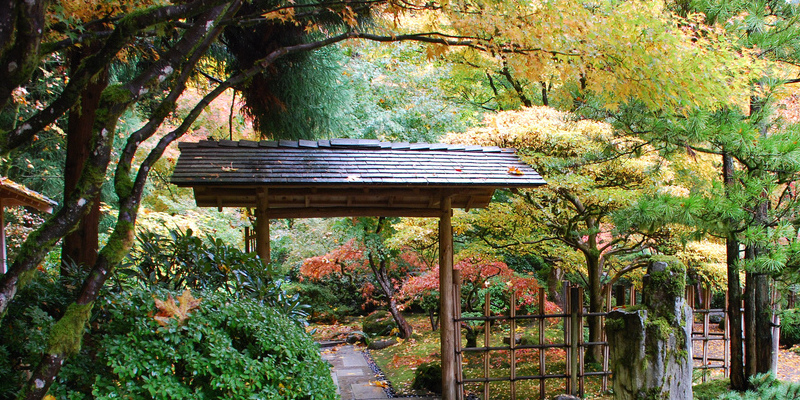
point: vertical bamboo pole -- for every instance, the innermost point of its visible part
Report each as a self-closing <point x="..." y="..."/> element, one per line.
<point x="633" y="296"/>
<point x="446" y="308"/>
<point x="247" y="239"/>
<point x="487" y="311"/>
<point x="580" y="348"/>
<point x="3" y="262"/>
<point x="574" y="340"/>
<point x="567" y="324"/>
<point x="512" y="313"/>
<point x="542" y="369"/>
<point x="262" y="226"/>
<point x="457" y="338"/>
<point x="605" y="339"/>
<point x="706" y="300"/>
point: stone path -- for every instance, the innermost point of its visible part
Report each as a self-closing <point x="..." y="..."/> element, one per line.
<point x="353" y="377"/>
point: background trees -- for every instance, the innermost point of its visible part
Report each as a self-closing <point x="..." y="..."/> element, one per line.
<point x="675" y="82"/>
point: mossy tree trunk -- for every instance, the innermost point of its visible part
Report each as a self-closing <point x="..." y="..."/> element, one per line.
<point x="67" y="333"/>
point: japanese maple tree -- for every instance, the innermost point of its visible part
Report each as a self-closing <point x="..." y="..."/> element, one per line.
<point x="367" y="258"/>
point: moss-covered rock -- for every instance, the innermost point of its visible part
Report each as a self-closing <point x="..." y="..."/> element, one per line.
<point x="378" y="323"/>
<point x="650" y="347"/>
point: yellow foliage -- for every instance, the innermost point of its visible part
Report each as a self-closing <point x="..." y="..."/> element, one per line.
<point x="619" y="50"/>
<point x="707" y="259"/>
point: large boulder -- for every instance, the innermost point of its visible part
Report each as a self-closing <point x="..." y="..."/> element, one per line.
<point x="650" y="345"/>
<point x="378" y="323"/>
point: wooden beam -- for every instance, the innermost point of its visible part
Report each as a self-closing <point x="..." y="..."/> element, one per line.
<point x="333" y="212"/>
<point x="446" y="301"/>
<point x="262" y="226"/>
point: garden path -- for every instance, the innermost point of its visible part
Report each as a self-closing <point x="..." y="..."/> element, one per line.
<point x="354" y="378"/>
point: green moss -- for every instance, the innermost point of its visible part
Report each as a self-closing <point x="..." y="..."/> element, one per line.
<point x="25" y="277"/>
<point x="659" y="328"/>
<point x="614" y="324"/>
<point x="66" y="334"/>
<point x="672" y="280"/>
<point x="119" y="243"/>
<point x="123" y="184"/>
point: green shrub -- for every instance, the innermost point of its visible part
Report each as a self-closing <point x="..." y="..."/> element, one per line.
<point x="428" y="376"/>
<point x="227" y="348"/>
<point x="330" y="300"/>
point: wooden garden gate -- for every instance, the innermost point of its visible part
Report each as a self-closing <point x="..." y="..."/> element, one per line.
<point x="573" y="345"/>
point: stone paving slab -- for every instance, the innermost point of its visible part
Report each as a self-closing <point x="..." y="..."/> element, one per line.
<point x="352" y="375"/>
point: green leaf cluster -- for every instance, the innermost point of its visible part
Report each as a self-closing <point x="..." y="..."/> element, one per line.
<point x="228" y="348"/>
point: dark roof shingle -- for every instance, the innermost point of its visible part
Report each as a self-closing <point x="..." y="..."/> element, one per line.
<point x="349" y="161"/>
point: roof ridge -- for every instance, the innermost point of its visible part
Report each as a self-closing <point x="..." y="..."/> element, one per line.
<point x="343" y="143"/>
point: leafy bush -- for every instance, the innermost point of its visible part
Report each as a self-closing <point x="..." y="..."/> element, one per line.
<point x="330" y="299"/>
<point x="428" y="376"/>
<point x="181" y="260"/>
<point x="227" y="348"/>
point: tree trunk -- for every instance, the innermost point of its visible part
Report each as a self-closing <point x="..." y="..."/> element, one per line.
<point x="737" y="371"/>
<point x="434" y="320"/>
<point x="596" y="301"/>
<point x="402" y="325"/>
<point x="765" y="352"/>
<point x="65" y="337"/>
<point x="750" y="338"/>
<point x="80" y="246"/>
<point x="555" y="287"/>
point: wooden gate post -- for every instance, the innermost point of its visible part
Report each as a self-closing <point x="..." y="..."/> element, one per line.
<point x="446" y="306"/>
<point x="575" y="315"/>
<point x="262" y="226"/>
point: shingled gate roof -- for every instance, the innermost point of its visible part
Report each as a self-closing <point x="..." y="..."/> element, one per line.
<point x="347" y="177"/>
<point x="14" y="194"/>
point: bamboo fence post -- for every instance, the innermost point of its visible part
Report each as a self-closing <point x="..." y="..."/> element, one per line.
<point x="574" y="340"/>
<point x="567" y="327"/>
<point x="604" y="386"/>
<point x="580" y="347"/>
<point x="706" y="296"/>
<point x="486" y="313"/>
<point x="542" y="369"/>
<point x="513" y="343"/>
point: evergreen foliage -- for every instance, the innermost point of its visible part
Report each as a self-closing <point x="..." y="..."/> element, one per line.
<point x="232" y="349"/>
<point x="766" y="387"/>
